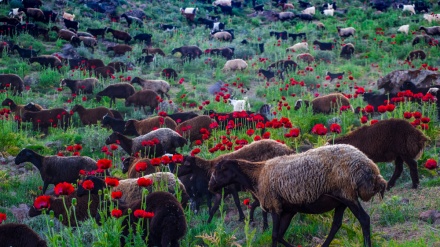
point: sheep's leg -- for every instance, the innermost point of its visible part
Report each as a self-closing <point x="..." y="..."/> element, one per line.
<point x="336" y="224"/>
<point x="237" y="204"/>
<point x="397" y="172"/>
<point x="254" y="205"/>
<point x="363" y="217"/>
<point x="45" y="187"/>
<point x="412" y="164"/>
<point x="280" y="225"/>
<point x="174" y="243"/>
<point x="218" y="198"/>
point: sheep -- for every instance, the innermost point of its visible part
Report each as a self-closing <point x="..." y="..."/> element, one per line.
<point x="50" y="15"/>
<point x="68" y="16"/>
<point x="145" y="59"/>
<point x="284" y="65"/>
<point x="16" y="13"/>
<point x="119" y="35"/>
<point x="149" y="50"/>
<point x="225" y="36"/>
<point x="230" y="31"/>
<point x="346" y="32"/>
<point x="217" y="26"/>
<point x="116" y="91"/>
<point x="131" y="19"/>
<point x="347" y="51"/>
<point x="202" y="169"/>
<point x="56" y="117"/>
<point x="104" y="72"/>
<point x="377" y="100"/>
<point x="298" y="46"/>
<point x="31" y="106"/>
<point x="94" y="64"/>
<point x="35" y="13"/>
<point x="323" y="46"/>
<point x="46" y="61"/>
<point x="182" y="116"/>
<point x="169" y="73"/>
<point x="56" y="169"/>
<point x="279" y="35"/>
<point x="9" y="21"/>
<point x="235" y="64"/>
<point x="309" y="11"/>
<point x="222" y="2"/>
<point x="435" y="30"/>
<point x="129" y="166"/>
<point x="431" y="17"/>
<point x="190" y="129"/>
<point x="97" y="31"/>
<point x="14" y="234"/>
<point x="403" y="29"/>
<point x="189" y="13"/>
<point x="63" y="33"/>
<point x="142" y="127"/>
<point x="120" y="49"/>
<point x="240" y="105"/>
<point x="388" y="140"/>
<point x="284" y="7"/>
<point x="409" y="8"/>
<point x="304" y="4"/>
<point x="85" y="208"/>
<point x="284" y="16"/>
<point x="408" y="85"/>
<point x="167" y="27"/>
<point x="268" y="74"/>
<point x="190" y="51"/>
<point x="304" y="17"/>
<point x="89" y="42"/>
<point x="167" y="226"/>
<point x="71" y="25"/>
<point x="32" y="3"/>
<point x="144" y="37"/>
<point x="423" y="38"/>
<point x="159" y="86"/>
<point x="417" y="54"/>
<point x="117" y="115"/>
<point x="77" y="86"/>
<point x="117" y="125"/>
<point x="19" y="110"/>
<point x="309" y="182"/>
<point x="136" y="145"/>
<point x="118" y="66"/>
<point x="260" y="46"/>
<point x="329" y="12"/>
<point x="13" y="81"/>
<point x="226" y="10"/>
<point x="306" y="58"/>
<point x="25" y="53"/>
<point x="225" y="52"/>
<point x="326" y="104"/>
<point x="295" y="36"/>
<point x="92" y="115"/>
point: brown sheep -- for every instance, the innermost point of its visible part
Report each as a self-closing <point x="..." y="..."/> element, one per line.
<point x="76" y="86"/>
<point x="306" y="58"/>
<point x="325" y="104"/>
<point x="159" y="86"/>
<point x="388" y="140"/>
<point x="63" y="33"/>
<point x="417" y="54"/>
<point x="119" y="35"/>
<point x="11" y="81"/>
<point x="129" y="166"/>
<point x="169" y="73"/>
<point x="225" y="52"/>
<point x="31" y="106"/>
<point x="120" y="49"/>
<point x="285" y="65"/>
<point x="222" y="36"/>
<point x="142" y="127"/>
<point x="36" y="14"/>
<point x="119" y="66"/>
<point x="425" y="38"/>
<point x="118" y="90"/>
<point x="144" y="98"/>
<point x="431" y="30"/>
<point x="18" y="110"/>
<point x="150" y="50"/>
<point x="94" y="64"/>
<point x="47" y="61"/>
<point x="92" y="115"/>
<point x="14" y="234"/>
<point x="89" y="42"/>
<point x="190" y="51"/>
<point x="190" y="129"/>
<point x="57" y="117"/>
<point x="347" y="51"/>
<point x="104" y="72"/>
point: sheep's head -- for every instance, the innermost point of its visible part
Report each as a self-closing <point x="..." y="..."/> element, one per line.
<point x="187" y="166"/>
<point x="407" y="85"/>
<point x="224" y="174"/>
<point x="113" y="138"/>
<point x="24" y="156"/>
<point x="76" y="108"/>
<point x="126" y="164"/>
<point x="130" y="128"/>
<point x="7" y="102"/>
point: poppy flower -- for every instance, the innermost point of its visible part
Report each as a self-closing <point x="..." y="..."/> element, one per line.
<point x="319" y="129"/>
<point x="113" y="182"/>
<point x="390" y="107"/>
<point x="69" y="148"/>
<point x="373" y="121"/>
<point x="425" y="119"/>
<point x="42" y="202"/>
<point x="195" y="151"/>
<point x="113" y="147"/>
<point x="140" y="166"/>
<point x="364" y="119"/>
<point x="257" y="138"/>
<point x="104" y="149"/>
<point x="116" y="213"/>
<point x="165" y="160"/>
<point x="369" y="108"/>
<point x="198" y="142"/>
<point x="417" y="115"/>
<point x="64" y="188"/>
<point x="77" y="147"/>
<point x="139" y="213"/>
<point x="382" y="108"/>
<point x="424" y="126"/>
<point x="116" y="194"/>
<point x="266" y="135"/>
<point x="178" y="158"/>
<point x="144" y="182"/>
<point x="407" y="115"/>
<point x="2" y="217"/>
<point x="294" y="132"/>
<point x="431" y="164"/>
<point x="335" y="128"/>
<point x="213" y="125"/>
<point x="88" y="185"/>
<point x="104" y="163"/>
<point x="155" y="161"/>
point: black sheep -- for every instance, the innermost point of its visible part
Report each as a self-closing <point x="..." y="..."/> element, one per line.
<point x="226" y="10"/>
<point x="279" y="35"/>
<point x="50" y="16"/>
<point x="131" y="19"/>
<point x="97" y="31"/>
<point x="377" y="99"/>
<point x="25" y="53"/>
<point x="304" y="17"/>
<point x="119" y="35"/>
<point x="295" y="36"/>
<point x="169" y="73"/>
<point x="335" y="75"/>
<point x="167" y="27"/>
<point x="145" y="59"/>
<point x="260" y="46"/>
<point x="144" y="37"/>
<point x="182" y="116"/>
<point x="71" y="24"/>
<point x="116" y="125"/>
<point x="304" y="4"/>
<point x="323" y="46"/>
<point x="190" y="51"/>
<point x="14" y="234"/>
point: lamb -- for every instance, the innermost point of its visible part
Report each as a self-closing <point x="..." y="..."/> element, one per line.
<point x="46" y="61"/>
<point x="403" y="29"/>
<point x="168" y="224"/>
<point x="144" y="98"/>
<point x="120" y="49"/>
<point x="142" y="127"/>
<point x="149" y="50"/>
<point x="388" y="140"/>
<point x="119" y="66"/>
<point x="144" y="37"/>
<point x="117" y="125"/>
<point x="71" y="25"/>
<point x="309" y="182"/>
<point x="84" y="208"/>
<point x="169" y="73"/>
<point x="417" y="54"/>
<point x="57" y="117"/>
<point x="409" y="8"/>
<point x="116" y="91"/>
<point x="235" y="64"/>
<point x="68" y="16"/>
<point x="435" y="30"/>
<point x="129" y="166"/>
<point x="104" y="72"/>
<point x="225" y="36"/>
<point x="306" y="58"/>
<point x="12" y="81"/>
<point x="323" y="46"/>
<point x="202" y="169"/>
<point x="14" y="234"/>
<point x="191" y="129"/>
<point x="56" y="169"/>
<point x="347" y="51"/>
<point x="119" y="35"/>
<point x="190" y="51"/>
<point x="92" y="115"/>
<point x="346" y="32"/>
<point x="326" y="104"/>
<point x="97" y="31"/>
<point x="63" y="33"/>
<point x="131" y="19"/>
<point x="80" y="86"/>
<point x="309" y="11"/>
<point x="159" y="86"/>
<point x="298" y="46"/>
<point x="431" y="17"/>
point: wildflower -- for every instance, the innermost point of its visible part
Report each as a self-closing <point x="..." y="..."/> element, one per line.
<point x="197" y="143"/>
<point x="144" y="182"/>
<point x="266" y="135"/>
<point x="64" y="188"/>
<point x="88" y="185"/>
<point x="364" y="119"/>
<point x="195" y="151"/>
<point x="246" y="201"/>
<point x="425" y="119"/>
<point x="141" y="166"/>
<point x="382" y="108"/>
<point x="77" y="147"/>
<point x="335" y="128"/>
<point x="116" y="213"/>
<point x="69" y="148"/>
<point x="113" y="147"/>
<point x="417" y="115"/>
<point x="319" y="129"/>
<point x="139" y="213"/>
<point x="431" y="164"/>
<point x="104" y="149"/>
<point x="155" y="161"/>
<point x="165" y="160"/>
<point x="178" y="158"/>
<point x="42" y="202"/>
<point x="250" y="132"/>
<point x="113" y="182"/>
<point x="116" y="194"/>
<point x="373" y="121"/>
<point x="369" y="108"/>
<point x="407" y="115"/>
<point x="390" y="107"/>
<point x="104" y="163"/>
<point x="2" y="217"/>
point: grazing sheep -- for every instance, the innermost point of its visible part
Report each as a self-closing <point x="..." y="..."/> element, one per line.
<point x="149" y="50"/>
<point x="31" y="106"/>
<point x="120" y="49"/>
<point x="388" y="140"/>
<point x="116" y="91"/>
<point x="137" y="145"/>
<point x="284" y="65"/>
<point x="92" y="115"/>
<point x="167" y="226"/>
<point x="57" y="117"/>
<point x="423" y="38"/>
<point x="89" y="42"/>
<point x="18" y="110"/>
<point x="202" y="169"/>
<point x="131" y="19"/>
<point x="191" y="129"/>
<point x="36" y="14"/>
<point x="190" y="51"/>
<point x="269" y="74"/>
<point x="12" y="81"/>
<point x="431" y="17"/>
<point x="119" y="35"/>
<point x="129" y="166"/>
<point x="119" y="66"/>
<point x="104" y="72"/>
<point x="431" y="30"/>
<point x="56" y="169"/>
<point x="167" y="27"/>
<point x="63" y="34"/>
<point x="235" y="64"/>
<point x="403" y="29"/>
<point x="94" y="64"/>
<point x="304" y="4"/>
<point x="142" y="127"/>
<point x="309" y="11"/>
<point x="117" y="125"/>
<point x="304" y="17"/>
<point x="225" y="52"/>
<point x="77" y="86"/>
<point x="323" y="46"/>
<point x="295" y="36"/>
<point x="97" y="31"/>
<point x="417" y="54"/>
<point x="298" y="46"/>
<point x="144" y="37"/>
<point x="377" y="100"/>
<point x="169" y="73"/>
<point x="159" y="86"/>
<point x="182" y="116"/>
<point x="347" y="51"/>
<point x="284" y="16"/>
<point x="334" y="76"/>
<point x="68" y="16"/>
<point x="326" y="104"/>
<point x="144" y="98"/>
<point x="409" y="8"/>
<point x="71" y="25"/>
<point x="85" y="34"/>
<point x="145" y="59"/>
<point x="46" y="61"/>
<point x="279" y="35"/>
<point x="189" y="13"/>
<point x="222" y="2"/>
<point x="306" y="58"/>
<point x="9" y="21"/>
<point x="85" y="208"/>
<point x="225" y="36"/>
<point x="346" y="32"/>
<point x="13" y="234"/>
<point x="309" y="182"/>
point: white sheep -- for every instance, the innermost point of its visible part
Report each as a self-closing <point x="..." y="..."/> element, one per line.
<point x="189" y="10"/>
<point x="309" y="10"/>
<point x="235" y="64"/>
<point x="241" y="105"/>
<point x="68" y="16"/>
<point x="409" y="8"/>
<point x="15" y="13"/>
<point x="403" y="29"/>
<point x="330" y="6"/>
<point x="346" y="32"/>
<point x="298" y="46"/>
<point x="329" y="12"/>
<point x="222" y="3"/>
<point x="432" y="17"/>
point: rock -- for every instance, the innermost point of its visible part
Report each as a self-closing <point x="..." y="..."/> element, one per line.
<point x="430" y="215"/>
<point x="30" y="79"/>
<point x="137" y="13"/>
<point x="51" y="144"/>
<point x="20" y="213"/>
<point x="405" y="201"/>
<point x="420" y="78"/>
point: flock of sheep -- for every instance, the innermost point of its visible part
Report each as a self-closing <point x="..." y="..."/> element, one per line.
<point x="281" y="181"/>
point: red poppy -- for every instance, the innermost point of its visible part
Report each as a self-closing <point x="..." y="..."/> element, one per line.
<point x="246" y="201"/>
<point x="165" y="160"/>
<point x="390" y="107"/>
<point x="77" y="147"/>
<point x="364" y="119"/>
<point x="266" y="135"/>
<point x="42" y="202"/>
<point x="417" y="115"/>
<point x="104" y="163"/>
<point x="294" y="132"/>
<point x="113" y="182"/>
<point x="195" y="151"/>
<point x="431" y="164"/>
<point x="64" y="188"/>
<point x="250" y="132"/>
<point x="155" y="161"/>
<point x="257" y="138"/>
<point x="178" y="158"/>
<point x="424" y="126"/>
<point x="140" y="166"/>
<point x="425" y="119"/>
<point x="369" y="108"/>
<point x="374" y="121"/>
<point x="335" y="128"/>
<point x="319" y="129"/>
<point x="213" y="125"/>
<point x="104" y="149"/>
<point x="382" y="108"/>
<point x="60" y="154"/>
<point x="69" y="148"/>
<point x="407" y="115"/>
<point x="88" y="185"/>
<point x="144" y="182"/>
<point x="113" y="147"/>
<point x="116" y="194"/>
<point x="116" y="213"/>
<point x="139" y="213"/>
<point x="198" y="142"/>
<point x="2" y="217"/>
